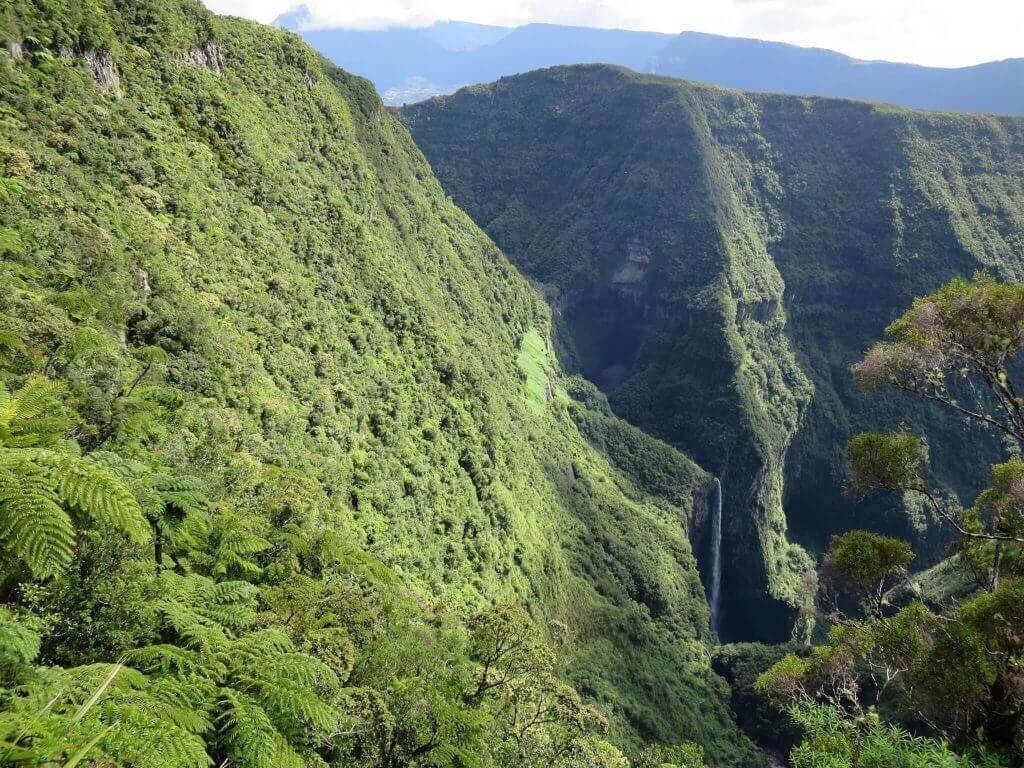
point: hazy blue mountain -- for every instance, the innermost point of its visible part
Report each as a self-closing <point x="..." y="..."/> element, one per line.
<point x="757" y="65"/>
<point x="410" y="64"/>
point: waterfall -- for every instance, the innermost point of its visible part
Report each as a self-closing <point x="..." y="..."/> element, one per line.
<point x="715" y="590"/>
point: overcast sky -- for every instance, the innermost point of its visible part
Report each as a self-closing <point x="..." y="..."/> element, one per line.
<point x="934" y="32"/>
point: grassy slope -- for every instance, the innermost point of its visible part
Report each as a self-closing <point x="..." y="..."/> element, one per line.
<point x="326" y="310"/>
<point x="720" y="258"/>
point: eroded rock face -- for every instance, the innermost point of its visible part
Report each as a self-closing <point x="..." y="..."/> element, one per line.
<point x="101" y="66"/>
<point x="14" y="48"/>
<point x="631" y="276"/>
<point x="103" y="70"/>
<point x="696" y="525"/>
<point x="209" y="56"/>
<point x="142" y="282"/>
<point x="761" y="312"/>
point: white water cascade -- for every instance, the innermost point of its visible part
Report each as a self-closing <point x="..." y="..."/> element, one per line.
<point x="715" y="591"/>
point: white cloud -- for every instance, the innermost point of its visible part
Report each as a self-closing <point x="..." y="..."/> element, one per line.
<point x="933" y="32"/>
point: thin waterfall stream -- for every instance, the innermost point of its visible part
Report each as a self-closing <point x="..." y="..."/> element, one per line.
<point x="715" y="591"/>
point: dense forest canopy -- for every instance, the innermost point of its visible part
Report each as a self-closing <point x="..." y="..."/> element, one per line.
<point x="297" y="469"/>
<point x="288" y="426"/>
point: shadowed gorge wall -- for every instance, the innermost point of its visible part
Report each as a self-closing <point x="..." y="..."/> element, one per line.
<point x="716" y="260"/>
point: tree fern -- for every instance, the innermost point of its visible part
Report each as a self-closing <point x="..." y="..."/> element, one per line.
<point x="95" y="490"/>
<point x="246" y="731"/>
<point x="34" y="527"/>
<point x="33" y="416"/>
<point x="19" y="647"/>
<point x="832" y="741"/>
<point x="272" y="702"/>
<point x="167" y="659"/>
<point x="174" y="505"/>
<point x="212" y="538"/>
<point x="101" y="714"/>
<point x="43" y="491"/>
<point x="224" y="543"/>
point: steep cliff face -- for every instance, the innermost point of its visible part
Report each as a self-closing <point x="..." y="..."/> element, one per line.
<point x="213" y="195"/>
<point x="718" y="259"/>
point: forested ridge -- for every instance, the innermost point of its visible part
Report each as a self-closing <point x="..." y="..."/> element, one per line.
<point x="716" y="260"/>
<point x="288" y="471"/>
<point x="820" y="301"/>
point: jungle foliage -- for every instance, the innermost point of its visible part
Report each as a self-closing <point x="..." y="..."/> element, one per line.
<point x="954" y="670"/>
<point x="284" y="457"/>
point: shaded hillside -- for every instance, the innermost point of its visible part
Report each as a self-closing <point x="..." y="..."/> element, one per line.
<point x="239" y="267"/>
<point x="759" y="65"/>
<point x="716" y="260"/>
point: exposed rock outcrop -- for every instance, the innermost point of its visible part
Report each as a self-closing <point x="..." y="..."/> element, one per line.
<point x="103" y="70"/>
<point x="142" y="282"/>
<point x="209" y="56"/>
<point x="630" y="278"/>
<point x="101" y="66"/>
<point x="758" y="311"/>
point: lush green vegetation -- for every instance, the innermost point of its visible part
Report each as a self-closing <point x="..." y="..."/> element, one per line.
<point x="717" y="260"/>
<point x="664" y="219"/>
<point x="954" y="669"/>
<point x="534" y="367"/>
<point x="277" y="482"/>
<point x="290" y="473"/>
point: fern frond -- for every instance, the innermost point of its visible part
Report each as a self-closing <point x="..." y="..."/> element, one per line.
<point x="231" y="603"/>
<point x="293" y="707"/>
<point x="166" y="658"/>
<point x="122" y="466"/>
<point x="193" y="630"/>
<point x="36" y="396"/>
<point x="187" y="500"/>
<point x="98" y="492"/>
<point x="184" y="701"/>
<point x="231" y="542"/>
<point x="247" y="733"/>
<point x="6" y="407"/>
<point x="33" y="525"/>
<point x="153" y="732"/>
<point x="262" y="645"/>
<point x="19" y="647"/>
<point x="86" y="343"/>
<point x="33" y="416"/>
<point x="288" y="757"/>
<point x="306" y="670"/>
<point x="128" y="708"/>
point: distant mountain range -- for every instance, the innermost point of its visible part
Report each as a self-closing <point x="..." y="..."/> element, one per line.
<point x="757" y="65"/>
<point x="409" y="64"/>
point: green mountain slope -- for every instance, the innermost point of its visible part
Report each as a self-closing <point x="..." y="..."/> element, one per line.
<point x="237" y="263"/>
<point x="716" y="260"/>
